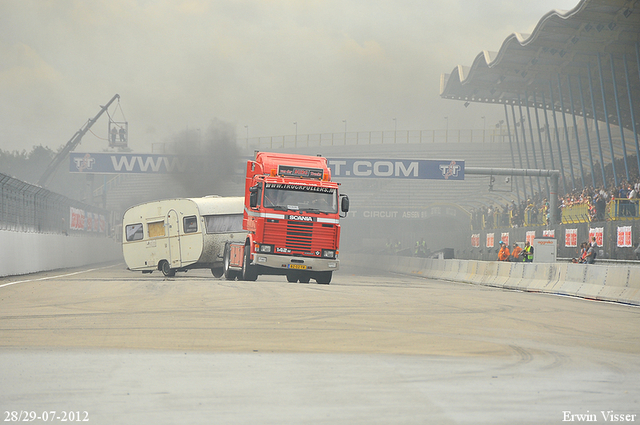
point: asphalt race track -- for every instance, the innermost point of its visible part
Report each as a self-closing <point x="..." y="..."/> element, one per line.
<point x="116" y="347"/>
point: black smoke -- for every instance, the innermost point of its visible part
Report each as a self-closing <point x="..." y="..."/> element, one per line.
<point x="214" y="158"/>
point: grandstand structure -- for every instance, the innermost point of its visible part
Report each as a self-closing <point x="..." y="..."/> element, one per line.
<point x="579" y="68"/>
<point x="578" y="72"/>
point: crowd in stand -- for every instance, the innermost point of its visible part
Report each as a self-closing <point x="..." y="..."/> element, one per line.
<point x="535" y="210"/>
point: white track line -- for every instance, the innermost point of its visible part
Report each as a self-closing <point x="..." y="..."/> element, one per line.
<point x="54" y="277"/>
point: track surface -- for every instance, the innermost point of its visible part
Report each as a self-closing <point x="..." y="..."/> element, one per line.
<point x="133" y="348"/>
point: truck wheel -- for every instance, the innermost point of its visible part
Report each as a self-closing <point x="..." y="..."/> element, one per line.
<point x="291" y="278"/>
<point x="304" y="278"/>
<point x="228" y="273"/>
<point x="217" y="272"/>
<point x="323" y="278"/>
<point x="166" y="269"/>
<point x="249" y="272"/>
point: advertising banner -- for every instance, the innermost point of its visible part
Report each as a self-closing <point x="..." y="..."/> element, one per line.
<point x="490" y="237"/>
<point x="128" y="163"/>
<point x="87" y="221"/>
<point x="396" y="168"/>
<point x="134" y="163"/>
<point x="624" y="237"/>
<point x="598" y="233"/>
<point x="571" y="238"/>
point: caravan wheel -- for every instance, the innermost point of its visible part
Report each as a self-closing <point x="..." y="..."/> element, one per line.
<point x="166" y="269"/>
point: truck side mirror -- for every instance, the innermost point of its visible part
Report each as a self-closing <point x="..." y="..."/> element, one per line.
<point x="344" y="204"/>
<point x="253" y="196"/>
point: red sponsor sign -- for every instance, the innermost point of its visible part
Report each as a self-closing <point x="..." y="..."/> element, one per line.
<point x="490" y="237"/>
<point x="598" y="233"/>
<point x="624" y="237"/>
<point x="76" y="220"/>
<point x="530" y="237"/>
<point x="571" y="238"/>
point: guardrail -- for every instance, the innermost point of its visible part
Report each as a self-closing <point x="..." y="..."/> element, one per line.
<point x="616" y="283"/>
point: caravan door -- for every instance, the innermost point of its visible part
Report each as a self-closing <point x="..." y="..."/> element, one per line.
<point x="173" y="232"/>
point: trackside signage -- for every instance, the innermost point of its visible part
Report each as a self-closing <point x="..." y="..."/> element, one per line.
<point x="120" y="163"/>
<point x="397" y="168"/>
<point x="130" y="163"/>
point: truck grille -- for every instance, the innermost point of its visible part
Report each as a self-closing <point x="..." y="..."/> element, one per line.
<point x="300" y="237"/>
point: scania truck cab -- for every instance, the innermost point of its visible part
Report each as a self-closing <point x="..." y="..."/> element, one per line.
<point x="292" y="217"/>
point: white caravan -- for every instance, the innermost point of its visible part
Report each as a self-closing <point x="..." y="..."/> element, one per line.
<point x="179" y="234"/>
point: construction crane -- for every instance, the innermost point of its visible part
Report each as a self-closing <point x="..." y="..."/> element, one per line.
<point x="72" y="144"/>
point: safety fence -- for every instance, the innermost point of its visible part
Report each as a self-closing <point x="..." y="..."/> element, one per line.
<point x="29" y="208"/>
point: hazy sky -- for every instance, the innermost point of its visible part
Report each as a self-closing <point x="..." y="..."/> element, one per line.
<point x="264" y="64"/>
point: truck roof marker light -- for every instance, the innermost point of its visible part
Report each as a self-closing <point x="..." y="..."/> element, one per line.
<point x="274" y="172"/>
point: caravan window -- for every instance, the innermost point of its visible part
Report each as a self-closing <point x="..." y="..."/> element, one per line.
<point x="190" y="224"/>
<point x="156" y="229"/>
<point x="134" y="232"/>
<point x="225" y="223"/>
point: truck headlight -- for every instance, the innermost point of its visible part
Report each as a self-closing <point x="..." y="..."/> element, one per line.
<point x="265" y="248"/>
<point x="328" y="253"/>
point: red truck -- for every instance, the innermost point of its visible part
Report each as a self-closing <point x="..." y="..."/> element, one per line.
<point x="291" y="215"/>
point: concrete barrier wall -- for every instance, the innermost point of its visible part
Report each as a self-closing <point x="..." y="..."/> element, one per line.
<point x="618" y="283"/>
<point x="22" y="253"/>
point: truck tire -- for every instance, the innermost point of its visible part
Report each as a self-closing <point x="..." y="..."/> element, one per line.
<point x="305" y="278"/>
<point x="228" y="273"/>
<point x="249" y="272"/>
<point x="292" y="278"/>
<point x="166" y="269"/>
<point x="323" y="278"/>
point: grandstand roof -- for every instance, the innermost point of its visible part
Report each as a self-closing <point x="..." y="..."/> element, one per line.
<point x="563" y="48"/>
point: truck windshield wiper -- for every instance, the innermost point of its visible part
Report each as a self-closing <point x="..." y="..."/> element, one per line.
<point x="314" y="210"/>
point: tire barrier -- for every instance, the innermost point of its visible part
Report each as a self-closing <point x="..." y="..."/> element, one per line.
<point x="615" y="283"/>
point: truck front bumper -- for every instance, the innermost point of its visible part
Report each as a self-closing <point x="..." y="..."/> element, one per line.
<point x="285" y="263"/>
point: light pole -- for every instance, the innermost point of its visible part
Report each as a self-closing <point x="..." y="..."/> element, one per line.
<point x="296" y="124"/>
<point x="345" y="131"/>
<point x="446" y="132"/>
<point x="395" y="129"/>
<point x="484" y="127"/>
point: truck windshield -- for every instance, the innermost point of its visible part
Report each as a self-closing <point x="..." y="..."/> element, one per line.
<point x="300" y="198"/>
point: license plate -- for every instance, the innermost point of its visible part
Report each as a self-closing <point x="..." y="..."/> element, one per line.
<point x="297" y="266"/>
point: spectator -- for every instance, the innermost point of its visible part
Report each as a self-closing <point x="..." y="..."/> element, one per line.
<point x="503" y="254"/>
<point x="590" y="258"/>
<point x="515" y="254"/>
<point x="528" y="253"/>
